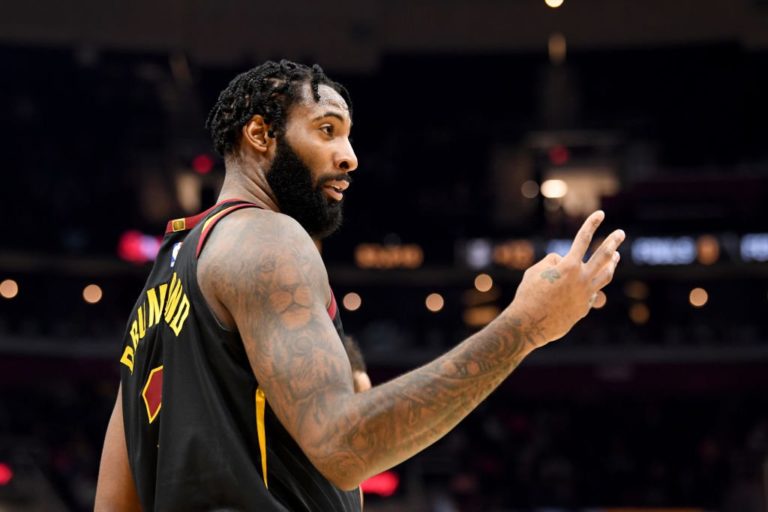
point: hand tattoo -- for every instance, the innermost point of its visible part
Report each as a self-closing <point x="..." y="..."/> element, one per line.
<point x="551" y="275"/>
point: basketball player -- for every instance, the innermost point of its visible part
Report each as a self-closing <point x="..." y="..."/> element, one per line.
<point x="235" y="387"/>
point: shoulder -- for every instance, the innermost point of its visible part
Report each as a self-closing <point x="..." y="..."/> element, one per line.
<point x="251" y="248"/>
<point x="250" y="234"/>
<point x="257" y="225"/>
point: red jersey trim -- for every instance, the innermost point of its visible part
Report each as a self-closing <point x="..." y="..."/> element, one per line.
<point x="210" y="223"/>
<point x="185" y="223"/>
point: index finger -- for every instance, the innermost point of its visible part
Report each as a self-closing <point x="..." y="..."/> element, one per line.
<point x="584" y="236"/>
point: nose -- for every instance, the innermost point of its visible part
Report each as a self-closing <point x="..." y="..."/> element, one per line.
<point x="345" y="158"/>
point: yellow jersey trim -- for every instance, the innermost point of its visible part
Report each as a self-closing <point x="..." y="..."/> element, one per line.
<point x="261" y="402"/>
<point x="214" y="217"/>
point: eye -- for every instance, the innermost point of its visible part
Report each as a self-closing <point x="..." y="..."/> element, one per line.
<point x="327" y="129"/>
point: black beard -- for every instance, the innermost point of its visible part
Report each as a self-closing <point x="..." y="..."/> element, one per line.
<point x="291" y="182"/>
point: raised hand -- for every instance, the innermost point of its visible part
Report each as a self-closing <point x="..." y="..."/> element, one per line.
<point x="558" y="291"/>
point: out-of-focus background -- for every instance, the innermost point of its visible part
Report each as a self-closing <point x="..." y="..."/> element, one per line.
<point x="485" y="130"/>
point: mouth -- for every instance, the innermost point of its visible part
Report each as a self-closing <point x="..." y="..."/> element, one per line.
<point x="334" y="189"/>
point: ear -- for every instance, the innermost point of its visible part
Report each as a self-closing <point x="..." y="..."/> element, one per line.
<point x="257" y="134"/>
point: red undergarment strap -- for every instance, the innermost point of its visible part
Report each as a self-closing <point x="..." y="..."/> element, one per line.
<point x="213" y="219"/>
<point x="332" y="307"/>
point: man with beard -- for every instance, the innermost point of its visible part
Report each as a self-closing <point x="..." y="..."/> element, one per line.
<point x="236" y="392"/>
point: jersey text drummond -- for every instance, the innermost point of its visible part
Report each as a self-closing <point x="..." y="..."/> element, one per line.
<point x="164" y="302"/>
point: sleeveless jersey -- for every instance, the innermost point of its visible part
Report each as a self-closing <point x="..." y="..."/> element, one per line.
<point x="200" y="432"/>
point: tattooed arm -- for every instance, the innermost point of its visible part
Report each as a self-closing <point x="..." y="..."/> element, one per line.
<point x="264" y="276"/>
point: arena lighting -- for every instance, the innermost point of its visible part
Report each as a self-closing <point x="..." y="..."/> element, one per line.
<point x="707" y="249"/>
<point x="478" y="253"/>
<point x="557" y="48"/>
<point x="389" y="256"/>
<point x="692" y="249"/>
<point x="202" y="164"/>
<point x="517" y="254"/>
<point x="639" y="313"/>
<point x="434" y="302"/>
<point x="554" y="189"/>
<point x="480" y="316"/>
<point x="529" y="189"/>
<point x="137" y="247"/>
<point x="6" y="473"/>
<point x="558" y="155"/>
<point x="698" y="297"/>
<point x="754" y="247"/>
<point x="664" y="251"/>
<point x="352" y="301"/>
<point x="384" y="484"/>
<point x="553" y="3"/>
<point x="636" y="290"/>
<point x="559" y="246"/>
<point x="92" y="294"/>
<point x="9" y="289"/>
<point x="483" y="282"/>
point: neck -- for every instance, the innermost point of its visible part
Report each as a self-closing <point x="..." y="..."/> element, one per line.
<point x="246" y="179"/>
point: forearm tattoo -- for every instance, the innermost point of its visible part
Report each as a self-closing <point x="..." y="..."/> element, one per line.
<point x="300" y="363"/>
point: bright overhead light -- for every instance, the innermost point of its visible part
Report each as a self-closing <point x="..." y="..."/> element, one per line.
<point x="554" y="3"/>
<point x="554" y="189"/>
<point x="639" y="313"/>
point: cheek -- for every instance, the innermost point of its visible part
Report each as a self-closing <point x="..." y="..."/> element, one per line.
<point x="311" y="151"/>
<point x="320" y="153"/>
<point x="319" y="161"/>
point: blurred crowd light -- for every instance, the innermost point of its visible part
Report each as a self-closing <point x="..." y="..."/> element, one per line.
<point x="434" y="302"/>
<point x="698" y="297"/>
<point x="352" y="301"/>
<point x="92" y="294"/>
<point x="9" y="289"/>
<point x="483" y="282"/>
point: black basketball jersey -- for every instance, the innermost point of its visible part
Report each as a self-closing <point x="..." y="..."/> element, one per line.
<point x="200" y="432"/>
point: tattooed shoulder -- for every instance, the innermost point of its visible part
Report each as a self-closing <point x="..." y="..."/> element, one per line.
<point x="257" y="255"/>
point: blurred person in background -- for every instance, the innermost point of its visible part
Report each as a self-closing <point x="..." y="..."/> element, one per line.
<point x="237" y="338"/>
<point x="360" y="378"/>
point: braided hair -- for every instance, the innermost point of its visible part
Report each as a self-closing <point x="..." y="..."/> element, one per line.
<point x="268" y="90"/>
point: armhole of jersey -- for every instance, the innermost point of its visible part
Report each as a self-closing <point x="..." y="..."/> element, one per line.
<point x="213" y="219"/>
<point x="207" y="227"/>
